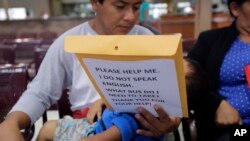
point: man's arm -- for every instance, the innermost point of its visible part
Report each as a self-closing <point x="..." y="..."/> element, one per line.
<point x="46" y="88"/>
<point x="111" y="134"/>
<point x="156" y="126"/>
<point x="10" y="128"/>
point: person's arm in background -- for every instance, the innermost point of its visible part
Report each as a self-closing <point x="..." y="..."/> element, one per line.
<point x="211" y="102"/>
<point x="45" y="89"/>
<point x="146" y="13"/>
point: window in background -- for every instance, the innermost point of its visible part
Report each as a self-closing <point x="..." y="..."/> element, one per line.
<point x="75" y="9"/>
<point x="2" y="14"/>
<point x="184" y="7"/>
<point x="18" y="13"/>
<point x="157" y="10"/>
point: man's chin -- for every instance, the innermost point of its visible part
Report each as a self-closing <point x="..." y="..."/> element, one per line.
<point x="122" y="31"/>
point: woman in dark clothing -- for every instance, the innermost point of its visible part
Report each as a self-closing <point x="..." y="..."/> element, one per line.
<point x="224" y="53"/>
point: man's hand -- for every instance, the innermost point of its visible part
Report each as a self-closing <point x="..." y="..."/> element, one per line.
<point x="227" y="115"/>
<point x="95" y="111"/>
<point x="156" y="126"/>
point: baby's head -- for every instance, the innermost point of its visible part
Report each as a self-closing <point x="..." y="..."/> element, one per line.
<point x="196" y="79"/>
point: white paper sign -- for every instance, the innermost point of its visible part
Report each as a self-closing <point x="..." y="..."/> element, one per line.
<point x="130" y="84"/>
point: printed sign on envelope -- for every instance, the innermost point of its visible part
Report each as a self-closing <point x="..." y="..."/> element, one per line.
<point x="130" y="71"/>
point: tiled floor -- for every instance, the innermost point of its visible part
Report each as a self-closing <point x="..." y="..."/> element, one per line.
<point x="54" y="115"/>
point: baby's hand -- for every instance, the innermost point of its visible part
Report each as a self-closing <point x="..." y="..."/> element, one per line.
<point x="95" y="111"/>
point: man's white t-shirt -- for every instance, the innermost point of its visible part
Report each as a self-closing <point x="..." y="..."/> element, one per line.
<point x="60" y="70"/>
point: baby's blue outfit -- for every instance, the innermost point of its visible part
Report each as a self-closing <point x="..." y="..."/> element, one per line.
<point x="124" y="122"/>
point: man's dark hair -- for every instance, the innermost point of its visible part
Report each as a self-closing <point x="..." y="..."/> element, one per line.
<point x="101" y="1"/>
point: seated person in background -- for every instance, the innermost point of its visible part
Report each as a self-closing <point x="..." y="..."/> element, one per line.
<point x="224" y="53"/>
<point x="114" y="126"/>
<point x="145" y="18"/>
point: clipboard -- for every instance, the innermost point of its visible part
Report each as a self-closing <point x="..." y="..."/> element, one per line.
<point x="134" y="70"/>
